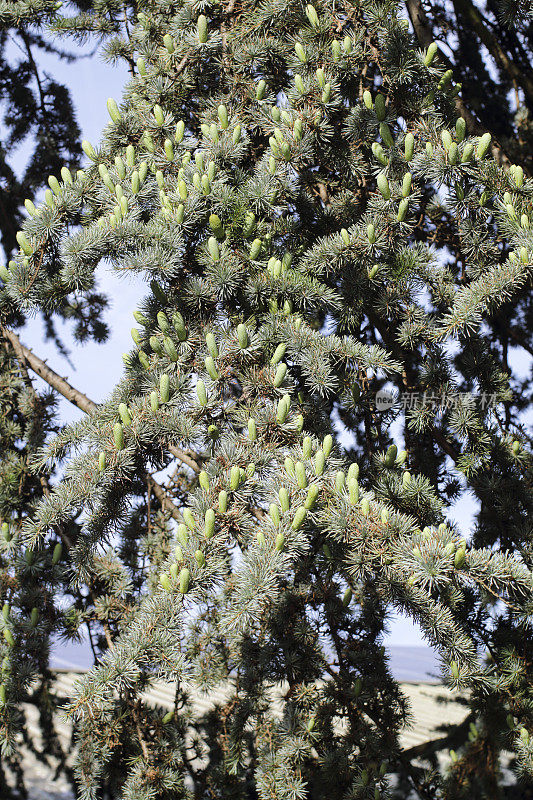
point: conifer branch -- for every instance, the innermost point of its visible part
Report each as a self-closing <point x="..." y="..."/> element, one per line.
<point x="81" y="401"/>
<point x="425" y="36"/>
<point x="72" y="394"/>
<point x="136" y="718"/>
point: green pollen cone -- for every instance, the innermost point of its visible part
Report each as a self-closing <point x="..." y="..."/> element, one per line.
<point x="182" y="534"/>
<point x="301" y="477"/>
<point x="211" y="368"/>
<point x="242" y="336"/>
<point x="124" y="414"/>
<point x="284" y="500"/>
<point x="114" y="113"/>
<point x="390" y="457"/>
<point x="279" y="377"/>
<point x="379" y="107"/>
<point x="353" y="489"/>
<point x="201" y="392"/>
<point x="54" y="184"/>
<point x="209" y="523"/>
<point x="483" y="146"/>
<point x="431" y="52"/>
<point x="188" y="518"/>
<point x="156" y="345"/>
<point x="274" y="513"/>
<point x="299" y="518"/>
<point x="255" y="248"/>
<point x="383" y="186"/>
<point x="164" y="387"/>
<point x="184" y="580"/>
<point x="178" y="324"/>
<point x="24" y="243"/>
<point x="312" y="495"/>
<point x="118" y="436"/>
<point x="386" y="135"/>
<point x="164" y="580"/>
<point x="212" y="246"/>
<point x="278" y="354"/>
<point x="223" y="501"/>
<point x="235" y="478"/>
<point x="170" y="348"/>
<point x="57" y="553"/>
<point x="211" y="345"/>
<point x="409" y="146"/>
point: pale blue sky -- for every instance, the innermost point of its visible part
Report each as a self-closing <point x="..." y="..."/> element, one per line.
<point x="98" y="367"/>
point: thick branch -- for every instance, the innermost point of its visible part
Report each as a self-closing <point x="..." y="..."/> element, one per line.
<point x="514" y="333"/>
<point x="183" y="457"/>
<point x="441" y="440"/>
<point x="166" y="502"/>
<point x="48" y="375"/>
<point x="421" y="24"/>
<point x="522" y="77"/>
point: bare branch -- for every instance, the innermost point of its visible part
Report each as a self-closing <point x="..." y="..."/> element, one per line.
<point x="54" y="380"/>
